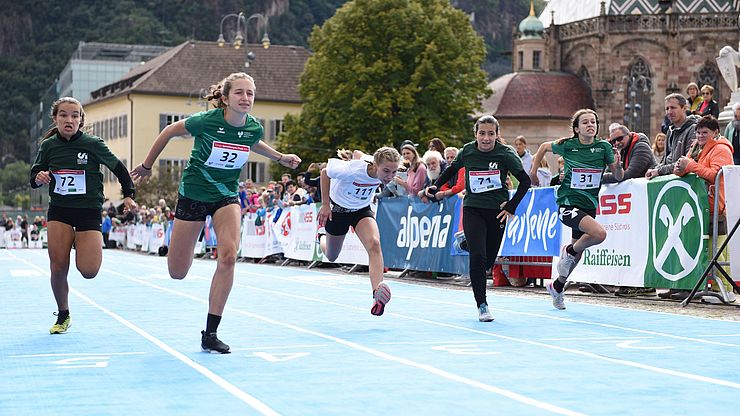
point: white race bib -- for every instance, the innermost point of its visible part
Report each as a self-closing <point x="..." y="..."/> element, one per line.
<point x="227" y="156"/>
<point x="362" y="191"/>
<point x="584" y="178"/>
<point x="484" y="180"/>
<point x="69" y="182"/>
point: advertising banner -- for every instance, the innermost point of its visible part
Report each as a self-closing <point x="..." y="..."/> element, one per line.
<point x="732" y="190"/>
<point x="156" y="237"/>
<point x="258" y="236"/>
<point x="535" y="229"/>
<point x="418" y="236"/>
<point x="301" y="239"/>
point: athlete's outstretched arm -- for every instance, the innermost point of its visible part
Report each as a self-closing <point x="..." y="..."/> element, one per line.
<point x="144" y="170"/>
<point x="288" y="160"/>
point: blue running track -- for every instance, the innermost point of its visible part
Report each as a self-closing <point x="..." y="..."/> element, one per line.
<point x="304" y="343"/>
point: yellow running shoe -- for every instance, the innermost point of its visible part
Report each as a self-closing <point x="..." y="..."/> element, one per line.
<point x="58" y="328"/>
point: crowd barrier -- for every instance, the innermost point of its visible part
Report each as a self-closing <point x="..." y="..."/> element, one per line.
<point x="653" y="230"/>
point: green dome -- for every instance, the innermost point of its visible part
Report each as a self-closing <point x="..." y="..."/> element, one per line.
<point x="531" y="28"/>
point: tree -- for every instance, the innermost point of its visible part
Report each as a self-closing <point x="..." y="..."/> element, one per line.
<point x="384" y="71"/>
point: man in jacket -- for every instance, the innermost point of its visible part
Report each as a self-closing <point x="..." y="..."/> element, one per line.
<point x="680" y="135"/>
<point x="635" y="151"/>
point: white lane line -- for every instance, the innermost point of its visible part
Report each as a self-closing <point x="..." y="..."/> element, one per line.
<point x="588" y="354"/>
<point x="84" y="354"/>
<point x="433" y="370"/>
<point x="304" y="280"/>
<point x="250" y="400"/>
<point x="532" y="314"/>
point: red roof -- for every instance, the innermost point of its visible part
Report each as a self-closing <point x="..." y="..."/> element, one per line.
<point x="190" y="66"/>
<point x="537" y="95"/>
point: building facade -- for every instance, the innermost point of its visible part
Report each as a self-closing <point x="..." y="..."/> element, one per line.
<point x="130" y="112"/>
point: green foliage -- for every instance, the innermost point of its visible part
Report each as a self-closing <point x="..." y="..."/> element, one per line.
<point x="384" y="71"/>
<point x="14" y="184"/>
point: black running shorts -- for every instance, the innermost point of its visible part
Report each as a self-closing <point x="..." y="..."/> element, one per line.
<point x="572" y="216"/>
<point x="81" y="219"/>
<point x="191" y="210"/>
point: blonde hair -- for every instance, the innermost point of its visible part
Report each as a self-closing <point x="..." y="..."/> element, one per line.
<point x="707" y="88"/>
<point x="222" y="89"/>
<point x="386" y="154"/>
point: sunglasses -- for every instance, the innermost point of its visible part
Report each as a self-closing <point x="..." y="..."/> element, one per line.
<point x="617" y="139"/>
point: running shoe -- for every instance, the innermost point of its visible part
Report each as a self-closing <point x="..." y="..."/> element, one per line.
<point x="460" y="243"/>
<point x="61" y="327"/>
<point x="557" y="298"/>
<point x="484" y="315"/>
<point x="566" y="264"/>
<point x="381" y="296"/>
<point x="211" y="343"/>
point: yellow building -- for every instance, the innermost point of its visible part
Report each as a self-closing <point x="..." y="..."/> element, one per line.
<point x="129" y="114"/>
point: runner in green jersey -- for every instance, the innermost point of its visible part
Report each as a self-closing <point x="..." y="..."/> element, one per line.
<point x="486" y="206"/>
<point x="223" y="139"/>
<point x="585" y="157"/>
<point x="69" y="162"/>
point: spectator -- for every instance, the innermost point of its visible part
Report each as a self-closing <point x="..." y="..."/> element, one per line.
<point x="24" y="228"/>
<point x="732" y="133"/>
<point x="3" y="220"/>
<point x="659" y="147"/>
<point x="456" y="184"/>
<point x="433" y="160"/>
<point x="417" y="172"/>
<point x="438" y="145"/>
<point x="543" y="173"/>
<point x="557" y="179"/>
<point x="680" y="134"/>
<point x="296" y="194"/>
<point x="635" y="151"/>
<point x="693" y="98"/>
<point x="707" y="155"/>
<point x="520" y="144"/>
<point x="314" y="182"/>
<point x="709" y="107"/>
<point x="285" y="178"/>
<point x="243" y="198"/>
<point x="106" y="226"/>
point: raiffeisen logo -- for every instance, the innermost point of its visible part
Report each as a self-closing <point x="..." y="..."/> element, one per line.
<point x="675" y="253"/>
<point x="423" y="231"/>
<point x="604" y="257"/>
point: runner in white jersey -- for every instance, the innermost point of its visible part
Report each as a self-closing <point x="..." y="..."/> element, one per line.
<point x="347" y="190"/>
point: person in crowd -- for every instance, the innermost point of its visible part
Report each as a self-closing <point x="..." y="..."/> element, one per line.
<point x="520" y="144"/>
<point x="707" y="155"/>
<point x="708" y="106"/>
<point x="433" y="161"/>
<point x="24" y="229"/>
<point x="558" y="179"/>
<point x="105" y="228"/>
<point x="438" y="145"/>
<point x="209" y="186"/>
<point x="243" y="204"/>
<point x="456" y="183"/>
<point x="680" y="135"/>
<point x="285" y="177"/>
<point x="693" y="98"/>
<point x="68" y="160"/>
<point x="543" y="173"/>
<point x="315" y="182"/>
<point x="585" y="157"/>
<point x="732" y="133"/>
<point x="635" y="153"/>
<point x="637" y="157"/>
<point x="659" y="147"/>
<point x="3" y="220"/>
<point x="296" y="195"/>
<point x="348" y="188"/>
<point x="416" y="173"/>
<point x="486" y="206"/>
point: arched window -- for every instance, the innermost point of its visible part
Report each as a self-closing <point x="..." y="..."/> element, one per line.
<point x="708" y="75"/>
<point x="637" y="97"/>
<point x="584" y="75"/>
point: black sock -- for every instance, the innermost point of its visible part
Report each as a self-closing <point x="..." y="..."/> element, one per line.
<point x="61" y="316"/>
<point x="464" y="245"/>
<point x="570" y="250"/>
<point x="558" y="285"/>
<point x="212" y="323"/>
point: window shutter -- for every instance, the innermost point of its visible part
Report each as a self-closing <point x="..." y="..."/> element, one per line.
<point x="162" y="121"/>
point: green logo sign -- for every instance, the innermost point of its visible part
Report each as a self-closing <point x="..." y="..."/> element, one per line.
<point x="678" y="218"/>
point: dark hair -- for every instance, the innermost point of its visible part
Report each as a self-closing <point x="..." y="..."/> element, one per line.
<point x="678" y="97"/>
<point x="577" y="117"/>
<point x="222" y="89"/>
<point x="290" y="182"/>
<point x="438" y="144"/>
<point x="708" y="122"/>
<point x="55" y="109"/>
<point x="488" y="120"/>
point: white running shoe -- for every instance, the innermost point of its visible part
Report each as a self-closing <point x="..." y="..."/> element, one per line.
<point x="566" y="264"/>
<point x="483" y="314"/>
<point x="557" y="298"/>
<point x="460" y="244"/>
<point x="381" y="296"/>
